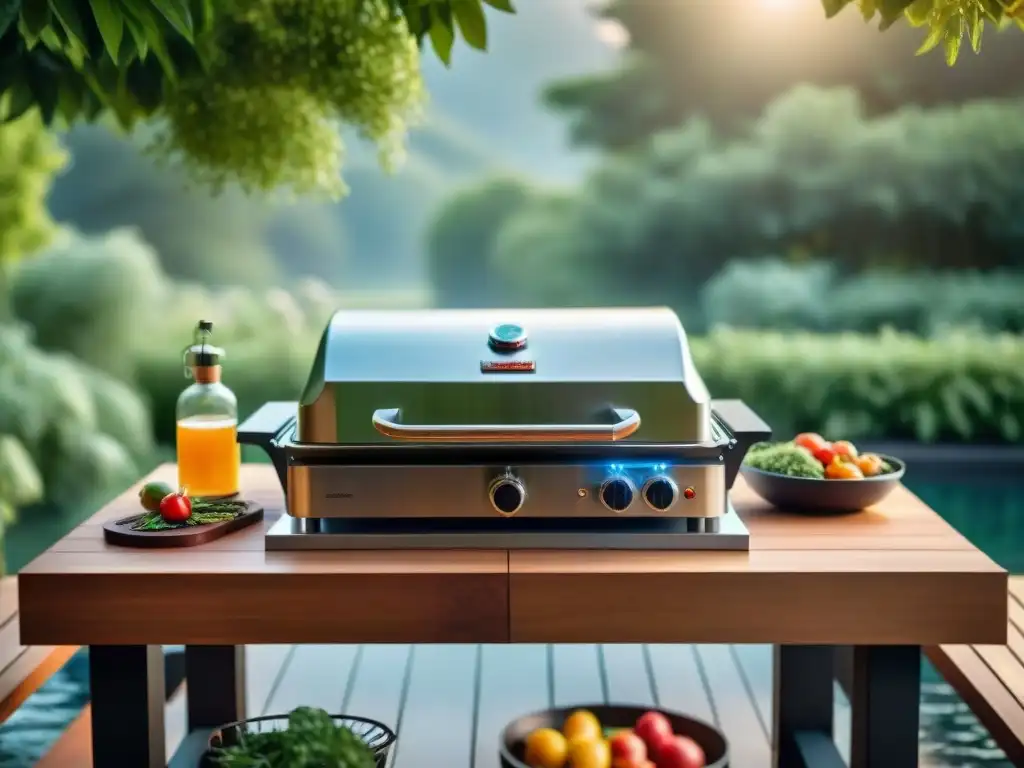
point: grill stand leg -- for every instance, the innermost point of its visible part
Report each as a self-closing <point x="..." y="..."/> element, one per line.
<point x="215" y="680"/>
<point x="802" y="730"/>
<point x="885" y="706"/>
<point x="126" y="691"/>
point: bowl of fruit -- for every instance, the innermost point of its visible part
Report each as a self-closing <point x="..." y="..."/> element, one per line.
<point x="812" y="475"/>
<point x="606" y="736"/>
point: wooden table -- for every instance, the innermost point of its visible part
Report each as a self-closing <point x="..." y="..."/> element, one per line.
<point x="882" y="583"/>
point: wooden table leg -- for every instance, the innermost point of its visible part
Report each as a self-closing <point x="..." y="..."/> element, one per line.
<point x="127" y="700"/>
<point x="885" y="705"/>
<point x="215" y="682"/>
<point x="802" y="732"/>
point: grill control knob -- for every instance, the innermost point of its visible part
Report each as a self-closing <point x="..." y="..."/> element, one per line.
<point x="660" y="492"/>
<point x="617" y="493"/>
<point x="507" y="494"/>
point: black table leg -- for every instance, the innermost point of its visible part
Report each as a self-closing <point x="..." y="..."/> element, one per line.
<point x="885" y="706"/>
<point x="126" y="685"/>
<point x="215" y="681"/>
<point x="802" y="733"/>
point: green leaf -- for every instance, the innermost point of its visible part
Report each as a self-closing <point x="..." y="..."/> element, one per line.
<point x="954" y="36"/>
<point x="138" y="35"/>
<point x="19" y="101"/>
<point x="158" y="46"/>
<point x="71" y="99"/>
<point x="501" y="5"/>
<point x="67" y="13"/>
<point x="975" y="27"/>
<point x="868" y="9"/>
<point x="9" y="10"/>
<point x="35" y="16"/>
<point x="178" y="15"/>
<point x="892" y="11"/>
<point x="110" y="22"/>
<point x="993" y="9"/>
<point x="935" y="36"/>
<point x="917" y="13"/>
<point x="442" y="36"/>
<point x="470" y="17"/>
<point x="833" y="7"/>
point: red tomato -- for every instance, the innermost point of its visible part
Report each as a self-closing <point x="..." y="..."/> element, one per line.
<point x="845" y="448"/>
<point x="628" y="750"/>
<point x="825" y="454"/>
<point x="812" y="441"/>
<point x="653" y="728"/>
<point x="175" y="507"/>
<point x="681" y="752"/>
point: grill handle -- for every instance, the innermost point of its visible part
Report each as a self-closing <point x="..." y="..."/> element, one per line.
<point x="388" y="421"/>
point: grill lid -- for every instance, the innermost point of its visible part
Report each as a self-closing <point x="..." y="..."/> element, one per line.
<point x="504" y="375"/>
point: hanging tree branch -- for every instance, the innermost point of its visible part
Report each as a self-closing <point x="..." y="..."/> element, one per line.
<point x="948" y="22"/>
<point x="249" y="91"/>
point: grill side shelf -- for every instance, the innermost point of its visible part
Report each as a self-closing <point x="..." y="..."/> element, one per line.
<point x="268" y="428"/>
<point x="745" y="427"/>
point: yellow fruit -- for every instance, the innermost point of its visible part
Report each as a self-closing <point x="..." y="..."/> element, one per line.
<point x="589" y="753"/>
<point x="582" y="724"/>
<point x="546" y="748"/>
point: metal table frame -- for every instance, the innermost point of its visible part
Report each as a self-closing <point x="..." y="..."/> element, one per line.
<point x="883" y="683"/>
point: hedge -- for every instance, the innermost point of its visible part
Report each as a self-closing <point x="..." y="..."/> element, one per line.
<point x="958" y="388"/>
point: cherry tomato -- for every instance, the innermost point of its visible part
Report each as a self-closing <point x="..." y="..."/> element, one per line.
<point x="812" y="441"/>
<point x="175" y="507"/>
<point x="843" y="470"/>
<point x="845" y="449"/>
<point x="826" y="454"/>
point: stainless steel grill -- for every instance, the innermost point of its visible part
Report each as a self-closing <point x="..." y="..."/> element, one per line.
<point x="499" y="428"/>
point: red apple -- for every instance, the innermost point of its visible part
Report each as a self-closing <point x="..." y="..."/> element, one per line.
<point x="680" y="752"/>
<point x="628" y="750"/>
<point x="653" y="728"/>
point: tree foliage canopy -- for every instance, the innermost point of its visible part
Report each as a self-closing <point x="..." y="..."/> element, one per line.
<point x="714" y="60"/>
<point x="29" y="157"/>
<point x="814" y="177"/>
<point x="251" y="91"/>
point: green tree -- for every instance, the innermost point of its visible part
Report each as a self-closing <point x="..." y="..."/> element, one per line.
<point x="813" y="177"/>
<point x="461" y="240"/>
<point x="29" y="158"/>
<point x="248" y="91"/>
<point x="725" y="63"/>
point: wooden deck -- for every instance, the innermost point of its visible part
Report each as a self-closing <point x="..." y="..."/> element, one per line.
<point x="23" y="669"/>
<point x="990" y="678"/>
<point x="449" y="702"/>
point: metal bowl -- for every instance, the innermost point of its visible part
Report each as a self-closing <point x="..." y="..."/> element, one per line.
<point x="824" y="497"/>
<point x="377" y="736"/>
<point x="612" y="717"/>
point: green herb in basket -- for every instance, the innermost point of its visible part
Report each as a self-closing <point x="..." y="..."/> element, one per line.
<point x="311" y="740"/>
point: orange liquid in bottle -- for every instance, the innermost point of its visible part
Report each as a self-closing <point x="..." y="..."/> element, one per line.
<point x="208" y="455"/>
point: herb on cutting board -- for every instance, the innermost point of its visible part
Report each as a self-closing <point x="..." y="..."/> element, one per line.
<point x="174" y="510"/>
<point x="312" y="740"/>
<point x="203" y="513"/>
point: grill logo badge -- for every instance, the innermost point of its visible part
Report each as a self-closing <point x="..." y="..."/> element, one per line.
<point x="507" y="366"/>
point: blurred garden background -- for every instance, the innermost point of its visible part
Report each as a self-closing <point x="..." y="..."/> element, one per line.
<point x="839" y="223"/>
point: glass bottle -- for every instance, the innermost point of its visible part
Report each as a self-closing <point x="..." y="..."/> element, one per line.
<point x="209" y="456"/>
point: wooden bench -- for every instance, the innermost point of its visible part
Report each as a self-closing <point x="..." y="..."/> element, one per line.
<point x="990" y="678"/>
<point x="22" y="669"/>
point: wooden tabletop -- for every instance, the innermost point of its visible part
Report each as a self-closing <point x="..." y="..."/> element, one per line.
<point x="896" y="573"/>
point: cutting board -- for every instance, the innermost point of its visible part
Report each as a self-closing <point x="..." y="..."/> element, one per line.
<point x="120" y="531"/>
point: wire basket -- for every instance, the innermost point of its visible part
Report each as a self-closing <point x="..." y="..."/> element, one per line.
<point x="377" y="736"/>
